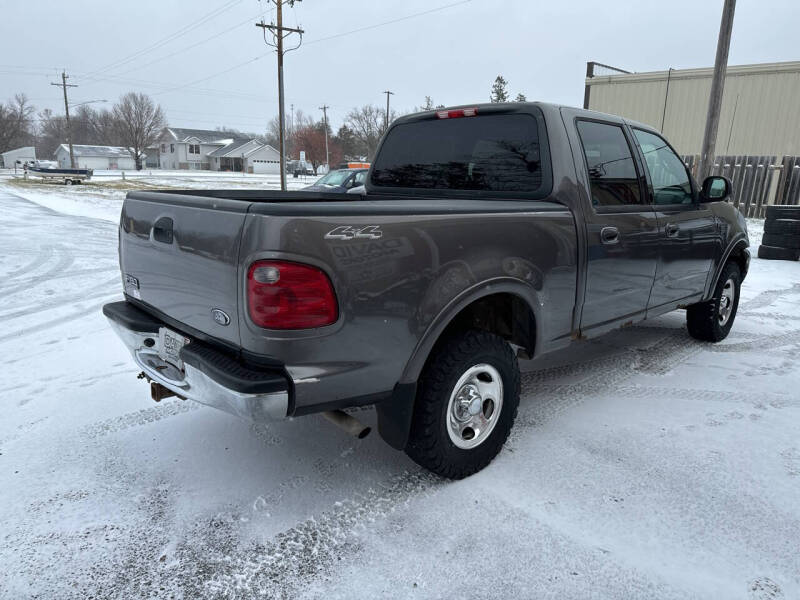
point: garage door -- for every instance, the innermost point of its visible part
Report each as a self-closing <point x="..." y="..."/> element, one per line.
<point x="265" y="166"/>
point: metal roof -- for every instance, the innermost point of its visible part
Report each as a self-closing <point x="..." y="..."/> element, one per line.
<point x="103" y="151"/>
<point x="204" y="136"/>
<point x="231" y="149"/>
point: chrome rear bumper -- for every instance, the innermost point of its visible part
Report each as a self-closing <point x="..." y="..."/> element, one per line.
<point x="194" y="384"/>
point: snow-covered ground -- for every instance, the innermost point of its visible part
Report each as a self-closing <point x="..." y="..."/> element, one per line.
<point x="102" y="196"/>
<point x="643" y="464"/>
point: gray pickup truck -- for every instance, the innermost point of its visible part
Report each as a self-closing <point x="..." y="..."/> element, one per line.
<point x="485" y="234"/>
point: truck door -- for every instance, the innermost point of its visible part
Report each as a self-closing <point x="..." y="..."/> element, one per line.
<point x="689" y="238"/>
<point x="621" y="228"/>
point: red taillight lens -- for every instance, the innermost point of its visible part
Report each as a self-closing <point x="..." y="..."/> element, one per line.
<point x="288" y="295"/>
<point x="459" y="112"/>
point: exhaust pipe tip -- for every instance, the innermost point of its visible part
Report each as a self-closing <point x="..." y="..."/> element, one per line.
<point x="348" y="423"/>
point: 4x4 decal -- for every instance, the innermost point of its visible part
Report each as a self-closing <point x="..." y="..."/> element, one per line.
<point x="348" y="232"/>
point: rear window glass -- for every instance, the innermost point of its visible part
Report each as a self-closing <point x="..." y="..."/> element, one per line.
<point x="490" y="153"/>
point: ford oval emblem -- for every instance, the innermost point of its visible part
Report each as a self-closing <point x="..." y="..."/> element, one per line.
<point x="220" y="316"/>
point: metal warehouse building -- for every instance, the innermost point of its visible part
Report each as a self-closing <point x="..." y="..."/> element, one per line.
<point x="758" y="140"/>
<point x="760" y="106"/>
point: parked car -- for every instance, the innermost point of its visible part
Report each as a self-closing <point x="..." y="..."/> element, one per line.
<point x="339" y="181"/>
<point x="487" y="234"/>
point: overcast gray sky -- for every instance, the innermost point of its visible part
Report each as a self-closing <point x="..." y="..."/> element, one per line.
<point x="452" y="54"/>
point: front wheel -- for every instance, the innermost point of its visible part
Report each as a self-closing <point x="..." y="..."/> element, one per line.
<point x="466" y="405"/>
<point x="711" y="321"/>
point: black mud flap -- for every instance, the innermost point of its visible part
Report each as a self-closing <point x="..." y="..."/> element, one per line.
<point x="395" y="414"/>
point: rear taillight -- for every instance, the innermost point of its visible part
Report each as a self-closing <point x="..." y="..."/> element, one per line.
<point x="289" y="295"/>
<point x="454" y="114"/>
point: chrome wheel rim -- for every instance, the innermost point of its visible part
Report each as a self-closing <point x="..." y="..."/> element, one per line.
<point x="475" y="405"/>
<point x="726" y="302"/>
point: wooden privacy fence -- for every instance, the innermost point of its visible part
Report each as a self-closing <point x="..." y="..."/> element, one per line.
<point x="757" y="180"/>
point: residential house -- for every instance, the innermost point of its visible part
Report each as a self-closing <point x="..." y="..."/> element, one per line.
<point x="181" y="148"/>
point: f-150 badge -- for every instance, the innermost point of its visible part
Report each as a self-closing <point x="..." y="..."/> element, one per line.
<point x="348" y="232"/>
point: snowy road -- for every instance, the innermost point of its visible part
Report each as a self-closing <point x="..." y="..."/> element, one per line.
<point x="643" y="464"/>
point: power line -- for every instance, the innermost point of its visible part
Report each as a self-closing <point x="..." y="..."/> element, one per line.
<point x="189" y="47"/>
<point x="173" y="36"/>
<point x="375" y="25"/>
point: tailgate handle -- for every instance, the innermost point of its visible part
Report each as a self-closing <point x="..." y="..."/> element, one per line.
<point x="162" y="230"/>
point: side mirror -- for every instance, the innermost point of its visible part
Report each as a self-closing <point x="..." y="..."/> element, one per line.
<point x="715" y="188"/>
<point x="357" y="183"/>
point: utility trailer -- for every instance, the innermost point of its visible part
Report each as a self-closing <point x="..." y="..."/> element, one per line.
<point x="69" y="176"/>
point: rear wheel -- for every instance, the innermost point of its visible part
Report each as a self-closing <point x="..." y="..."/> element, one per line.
<point x="68" y="182"/>
<point x="711" y="321"/>
<point x="466" y="405"/>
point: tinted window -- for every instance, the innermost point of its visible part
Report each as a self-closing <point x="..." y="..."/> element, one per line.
<point x="495" y="153"/>
<point x="668" y="174"/>
<point x="612" y="174"/>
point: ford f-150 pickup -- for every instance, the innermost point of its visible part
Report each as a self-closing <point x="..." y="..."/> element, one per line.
<point x="485" y="234"/>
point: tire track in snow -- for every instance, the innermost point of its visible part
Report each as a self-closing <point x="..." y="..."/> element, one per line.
<point x="138" y="418"/>
<point x="44" y="255"/>
<point x="56" y="322"/>
<point x="61" y="301"/>
<point x="768" y="297"/>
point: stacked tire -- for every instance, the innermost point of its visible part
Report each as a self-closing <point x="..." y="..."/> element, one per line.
<point x="781" y="239"/>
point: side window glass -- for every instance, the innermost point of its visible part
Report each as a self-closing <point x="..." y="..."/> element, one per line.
<point x="612" y="174"/>
<point x="667" y="172"/>
<point x="361" y="177"/>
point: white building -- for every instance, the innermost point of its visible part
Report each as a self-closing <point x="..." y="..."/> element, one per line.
<point x="96" y="157"/>
<point x="19" y="157"/>
<point x="181" y="148"/>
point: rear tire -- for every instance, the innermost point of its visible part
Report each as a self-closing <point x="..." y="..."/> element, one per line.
<point x="466" y="404"/>
<point x="775" y="253"/>
<point x="711" y="321"/>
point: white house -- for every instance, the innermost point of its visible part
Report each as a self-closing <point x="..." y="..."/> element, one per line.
<point x="181" y="148"/>
<point x="19" y="157"/>
<point x="249" y="156"/>
<point x="96" y="157"/>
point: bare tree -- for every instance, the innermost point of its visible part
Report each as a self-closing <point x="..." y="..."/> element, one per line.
<point x="16" y="124"/>
<point x="367" y="126"/>
<point x="52" y="132"/>
<point x="140" y="122"/>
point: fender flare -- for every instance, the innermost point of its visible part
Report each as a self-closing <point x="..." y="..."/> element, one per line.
<point x="740" y="242"/>
<point x="395" y="413"/>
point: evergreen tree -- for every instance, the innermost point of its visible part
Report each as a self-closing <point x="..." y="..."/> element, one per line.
<point x="520" y="98"/>
<point x="499" y="92"/>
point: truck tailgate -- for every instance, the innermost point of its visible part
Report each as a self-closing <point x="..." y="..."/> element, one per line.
<point x="178" y="254"/>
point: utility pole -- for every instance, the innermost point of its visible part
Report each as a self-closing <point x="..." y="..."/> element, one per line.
<point x="388" y="93"/>
<point x="278" y="36"/>
<point x="65" y="85"/>
<point x="324" y="108"/>
<point x="717" y="86"/>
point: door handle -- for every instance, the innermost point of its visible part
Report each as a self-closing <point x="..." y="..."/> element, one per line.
<point x="609" y="235"/>
<point x="672" y="230"/>
<point x="162" y="230"/>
